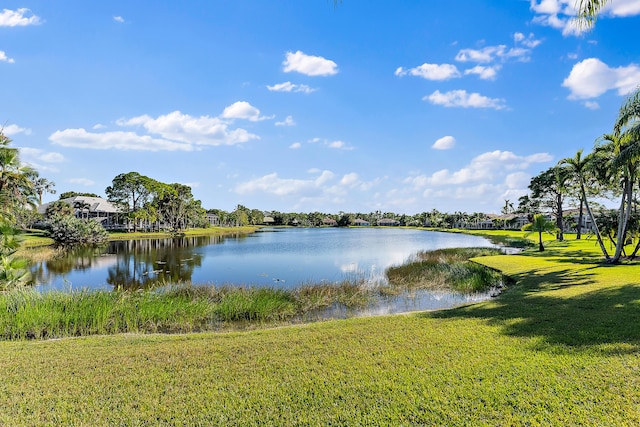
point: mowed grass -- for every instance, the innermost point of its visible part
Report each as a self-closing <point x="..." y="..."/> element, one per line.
<point x="561" y="347"/>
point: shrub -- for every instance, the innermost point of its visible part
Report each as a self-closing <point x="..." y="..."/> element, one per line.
<point x="68" y="230"/>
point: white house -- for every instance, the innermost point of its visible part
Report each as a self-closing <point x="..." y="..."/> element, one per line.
<point x="96" y="208"/>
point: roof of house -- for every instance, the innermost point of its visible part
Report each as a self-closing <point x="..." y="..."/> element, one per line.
<point x="96" y="204"/>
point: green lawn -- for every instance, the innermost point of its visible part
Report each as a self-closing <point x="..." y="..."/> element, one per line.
<point x="561" y="347"/>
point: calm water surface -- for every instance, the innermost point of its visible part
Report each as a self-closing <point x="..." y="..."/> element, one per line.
<point x="283" y="258"/>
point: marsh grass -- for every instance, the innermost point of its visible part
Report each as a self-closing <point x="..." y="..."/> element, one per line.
<point x="446" y="269"/>
<point x="350" y="293"/>
<point x="28" y="314"/>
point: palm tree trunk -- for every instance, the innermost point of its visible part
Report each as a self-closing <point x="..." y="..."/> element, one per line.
<point x="579" y="230"/>
<point x="560" y="233"/>
<point x="623" y="219"/>
<point x="540" y="247"/>
<point x="595" y="224"/>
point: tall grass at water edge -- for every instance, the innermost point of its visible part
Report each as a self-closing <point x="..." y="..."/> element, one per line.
<point x="446" y="269"/>
<point x="28" y="314"/>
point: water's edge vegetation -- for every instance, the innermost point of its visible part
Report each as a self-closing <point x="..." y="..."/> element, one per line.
<point x="177" y="308"/>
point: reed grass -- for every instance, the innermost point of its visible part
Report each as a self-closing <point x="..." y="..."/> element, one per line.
<point x="446" y="269"/>
<point x="28" y="314"/>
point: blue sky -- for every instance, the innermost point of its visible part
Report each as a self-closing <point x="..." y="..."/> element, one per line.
<point x="401" y="106"/>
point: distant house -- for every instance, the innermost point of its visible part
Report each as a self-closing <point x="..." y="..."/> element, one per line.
<point x="507" y="222"/>
<point x="267" y="220"/>
<point x="330" y="222"/>
<point x="213" y="219"/>
<point x="96" y="208"/>
<point x="388" y="222"/>
<point x="571" y="217"/>
<point x="361" y="222"/>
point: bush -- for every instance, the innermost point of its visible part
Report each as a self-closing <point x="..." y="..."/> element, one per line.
<point x="68" y="230"/>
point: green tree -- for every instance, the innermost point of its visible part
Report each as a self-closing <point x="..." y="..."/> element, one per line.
<point x="539" y="225"/>
<point x="43" y="185"/>
<point x="16" y="187"/>
<point x="178" y="208"/>
<point x="69" y="230"/>
<point x="578" y="167"/>
<point x="131" y="191"/>
<point x="13" y="270"/>
<point x="549" y="189"/>
<point x="528" y="206"/>
<point x="69" y="194"/>
<point x="58" y="208"/>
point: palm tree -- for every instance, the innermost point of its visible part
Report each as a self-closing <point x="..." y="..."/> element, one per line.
<point x="16" y="189"/>
<point x="13" y="271"/>
<point x="618" y="158"/>
<point x="43" y="185"/>
<point x="588" y="11"/>
<point x="619" y="172"/>
<point x="539" y="225"/>
<point x="578" y="166"/>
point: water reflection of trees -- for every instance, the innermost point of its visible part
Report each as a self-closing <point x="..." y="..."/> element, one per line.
<point x="152" y="262"/>
<point x="133" y="264"/>
<point x="76" y="258"/>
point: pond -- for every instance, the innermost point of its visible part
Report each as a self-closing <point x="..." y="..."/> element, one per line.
<point x="281" y="258"/>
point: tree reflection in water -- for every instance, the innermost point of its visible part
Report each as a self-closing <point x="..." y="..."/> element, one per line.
<point x="131" y="264"/>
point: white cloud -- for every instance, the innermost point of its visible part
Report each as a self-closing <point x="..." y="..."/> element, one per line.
<point x="444" y="143"/>
<point x="98" y="126"/>
<point x="295" y="146"/>
<point x="28" y="154"/>
<point x="291" y="87"/>
<point x="309" y="65"/>
<point x="119" y="19"/>
<point x="592" y="105"/>
<point x="323" y="188"/>
<point x="82" y="181"/>
<point x="484" y="182"/>
<point x="623" y="8"/>
<point x="492" y="53"/>
<point x="14" y="130"/>
<point x="273" y="184"/>
<point x="591" y="78"/>
<point x="288" y="121"/>
<point x="5" y="58"/>
<point x="460" y="98"/>
<point x="80" y="138"/>
<point x="18" y="18"/>
<point x="485" y="73"/>
<point x="243" y="110"/>
<point x="41" y="160"/>
<point x="337" y="144"/>
<point x="529" y="41"/>
<point x="203" y="130"/>
<point x="485" y="167"/>
<point x="431" y="71"/>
